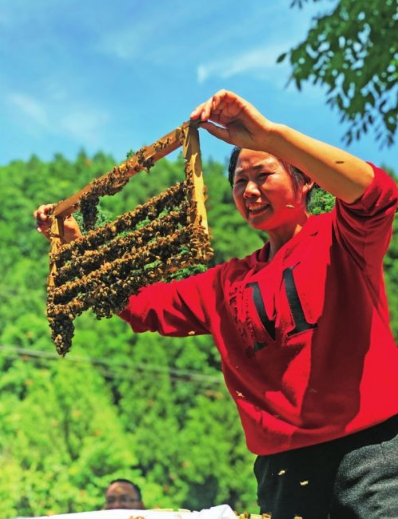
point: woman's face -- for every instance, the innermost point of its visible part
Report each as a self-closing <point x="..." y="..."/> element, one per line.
<point x="263" y="192"/>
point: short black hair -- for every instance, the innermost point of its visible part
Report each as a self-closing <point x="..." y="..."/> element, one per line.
<point x="122" y="480"/>
<point x="298" y="177"/>
<point x="233" y="160"/>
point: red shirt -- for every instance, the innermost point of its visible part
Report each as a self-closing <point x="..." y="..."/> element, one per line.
<point x="306" y="348"/>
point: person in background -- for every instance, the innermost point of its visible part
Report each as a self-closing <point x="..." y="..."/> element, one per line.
<point x="123" y="494"/>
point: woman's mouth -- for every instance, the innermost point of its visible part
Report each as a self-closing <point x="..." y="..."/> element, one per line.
<point x="257" y="208"/>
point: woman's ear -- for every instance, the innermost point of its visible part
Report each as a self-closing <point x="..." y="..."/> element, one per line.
<point x="308" y="186"/>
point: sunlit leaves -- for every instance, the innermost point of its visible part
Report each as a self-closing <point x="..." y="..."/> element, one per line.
<point x="353" y="51"/>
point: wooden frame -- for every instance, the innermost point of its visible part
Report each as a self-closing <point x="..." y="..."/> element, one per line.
<point x="104" y="267"/>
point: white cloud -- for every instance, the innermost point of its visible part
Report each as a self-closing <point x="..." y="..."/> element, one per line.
<point x="125" y="45"/>
<point x="255" y="61"/>
<point x="29" y="108"/>
<point x="156" y="34"/>
<point x="55" y="116"/>
<point x="84" y="125"/>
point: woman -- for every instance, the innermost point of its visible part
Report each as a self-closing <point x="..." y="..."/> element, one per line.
<point x="301" y="324"/>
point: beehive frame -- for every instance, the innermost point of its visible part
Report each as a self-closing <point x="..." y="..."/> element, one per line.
<point x="104" y="267"/>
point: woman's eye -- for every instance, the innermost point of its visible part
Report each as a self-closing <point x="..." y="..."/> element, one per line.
<point x="239" y="181"/>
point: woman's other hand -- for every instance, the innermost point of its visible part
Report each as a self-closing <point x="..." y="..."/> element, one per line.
<point x="43" y="224"/>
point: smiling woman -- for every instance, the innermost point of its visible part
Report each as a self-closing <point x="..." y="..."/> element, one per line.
<point x="265" y="194"/>
<point x="298" y="177"/>
<point x="302" y="324"/>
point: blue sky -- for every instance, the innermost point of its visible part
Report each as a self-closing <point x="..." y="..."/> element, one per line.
<point x="115" y="75"/>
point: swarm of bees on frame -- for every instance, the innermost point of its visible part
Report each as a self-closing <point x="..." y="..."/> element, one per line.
<point x="104" y="267"/>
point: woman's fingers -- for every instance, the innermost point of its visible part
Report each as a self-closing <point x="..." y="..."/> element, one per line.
<point x="224" y="108"/>
<point x="43" y="224"/>
<point x="239" y="122"/>
<point x="41" y="213"/>
<point x="41" y="216"/>
<point x="198" y="112"/>
<point x="212" y="107"/>
<point x="217" y="131"/>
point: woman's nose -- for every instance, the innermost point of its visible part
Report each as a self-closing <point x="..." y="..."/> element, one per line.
<point x="251" y="189"/>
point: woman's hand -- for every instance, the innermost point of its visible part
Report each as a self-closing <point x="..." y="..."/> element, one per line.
<point x="338" y="172"/>
<point x="43" y="224"/>
<point x="240" y="123"/>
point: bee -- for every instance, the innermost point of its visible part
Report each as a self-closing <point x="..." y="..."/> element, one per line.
<point x="103" y="268"/>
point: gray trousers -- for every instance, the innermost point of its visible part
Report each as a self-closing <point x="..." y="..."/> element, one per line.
<point x="355" y="477"/>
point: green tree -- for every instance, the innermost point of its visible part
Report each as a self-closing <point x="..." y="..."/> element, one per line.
<point x="60" y="439"/>
<point x="146" y="386"/>
<point x="353" y="51"/>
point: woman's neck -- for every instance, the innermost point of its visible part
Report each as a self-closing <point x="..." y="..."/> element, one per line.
<point x="278" y="237"/>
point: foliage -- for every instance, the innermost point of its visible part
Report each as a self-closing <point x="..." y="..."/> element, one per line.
<point x="353" y="51"/>
<point x="119" y="405"/>
<point x="63" y="439"/>
<point x="321" y="201"/>
<point x="391" y="270"/>
<point x="145" y="407"/>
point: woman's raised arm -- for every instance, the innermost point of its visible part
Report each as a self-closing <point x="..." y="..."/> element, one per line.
<point x="241" y="124"/>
